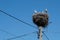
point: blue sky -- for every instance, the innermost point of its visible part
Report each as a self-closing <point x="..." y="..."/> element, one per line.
<point x="23" y="9"/>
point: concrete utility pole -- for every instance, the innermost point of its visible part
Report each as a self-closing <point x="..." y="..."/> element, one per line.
<point x="40" y="29"/>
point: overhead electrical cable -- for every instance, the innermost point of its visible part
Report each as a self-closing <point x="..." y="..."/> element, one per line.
<point x="7" y="32"/>
<point x="46" y="36"/>
<point x="21" y="36"/>
<point x="17" y="19"/>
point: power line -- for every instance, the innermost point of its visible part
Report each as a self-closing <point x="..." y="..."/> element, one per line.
<point x="46" y="36"/>
<point x="17" y="19"/>
<point x="21" y="36"/>
<point x="7" y="32"/>
<point x="52" y="31"/>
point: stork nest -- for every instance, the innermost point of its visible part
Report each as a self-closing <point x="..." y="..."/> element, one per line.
<point x="40" y="19"/>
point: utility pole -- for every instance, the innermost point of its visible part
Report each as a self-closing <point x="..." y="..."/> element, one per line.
<point x="40" y="29"/>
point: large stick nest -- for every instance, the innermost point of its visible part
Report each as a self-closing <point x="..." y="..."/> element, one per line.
<point x="40" y="19"/>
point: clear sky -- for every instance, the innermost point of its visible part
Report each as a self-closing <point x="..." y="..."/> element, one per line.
<point x="23" y="9"/>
